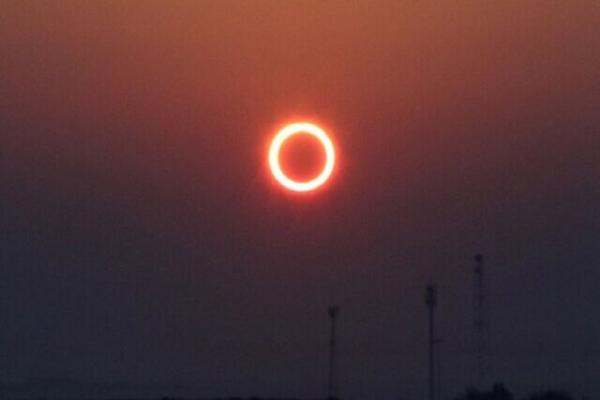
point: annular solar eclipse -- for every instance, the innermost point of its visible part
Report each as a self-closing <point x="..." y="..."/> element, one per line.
<point x="301" y="128"/>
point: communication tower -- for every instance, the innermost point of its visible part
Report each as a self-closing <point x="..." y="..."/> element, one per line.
<point x="333" y="312"/>
<point x="431" y="302"/>
<point x="480" y="324"/>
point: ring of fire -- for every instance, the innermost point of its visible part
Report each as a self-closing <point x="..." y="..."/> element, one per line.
<point x="284" y="134"/>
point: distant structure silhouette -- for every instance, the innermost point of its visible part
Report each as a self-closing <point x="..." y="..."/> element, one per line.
<point x="333" y="313"/>
<point x="498" y="392"/>
<point x="480" y="323"/>
<point x="431" y="303"/>
<point x="438" y="354"/>
<point x="551" y="395"/>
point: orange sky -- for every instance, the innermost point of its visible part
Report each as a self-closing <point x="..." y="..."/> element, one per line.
<point x="251" y="64"/>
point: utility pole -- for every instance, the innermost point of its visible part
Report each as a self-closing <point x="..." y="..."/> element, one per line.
<point x="438" y="342"/>
<point x="479" y="322"/>
<point x="431" y="302"/>
<point x="333" y="312"/>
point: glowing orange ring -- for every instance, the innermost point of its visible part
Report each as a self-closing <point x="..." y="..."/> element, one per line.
<point x="278" y="141"/>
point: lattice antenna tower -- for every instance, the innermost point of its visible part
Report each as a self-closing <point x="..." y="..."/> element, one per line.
<point x="333" y="312"/>
<point x="480" y="322"/>
<point x="431" y="303"/>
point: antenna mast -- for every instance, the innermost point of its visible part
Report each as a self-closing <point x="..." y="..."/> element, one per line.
<point x="333" y="312"/>
<point x="431" y="302"/>
<point x="480" y="323"/>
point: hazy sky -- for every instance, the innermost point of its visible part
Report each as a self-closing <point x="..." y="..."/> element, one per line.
<point x="143" y="240"/>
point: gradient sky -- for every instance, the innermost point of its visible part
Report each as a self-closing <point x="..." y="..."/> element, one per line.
<point x="143" y="240"/>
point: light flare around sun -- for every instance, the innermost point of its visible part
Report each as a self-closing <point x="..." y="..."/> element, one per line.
<point x="301" y="128"/>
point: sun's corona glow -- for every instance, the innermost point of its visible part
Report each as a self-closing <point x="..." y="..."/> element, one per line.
<point x="301" y="128"/>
